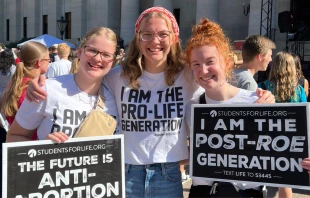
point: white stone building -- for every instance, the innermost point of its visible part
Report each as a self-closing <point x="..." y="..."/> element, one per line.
<point x="238" y="18"/>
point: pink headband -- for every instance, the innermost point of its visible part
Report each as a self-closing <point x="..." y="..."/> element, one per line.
<point x="166" y="12"/>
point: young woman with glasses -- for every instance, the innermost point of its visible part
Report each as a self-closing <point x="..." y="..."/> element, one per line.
<point x="151" y="90"/>
<point x="71" y="96"/>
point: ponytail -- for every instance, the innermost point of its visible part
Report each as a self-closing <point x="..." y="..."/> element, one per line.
<point x="14" y="89"/>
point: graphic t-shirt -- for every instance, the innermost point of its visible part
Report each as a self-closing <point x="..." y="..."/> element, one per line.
<point x="63" y="110"/>
<point x="242" y="97"/>
<point x="151" y="117"/>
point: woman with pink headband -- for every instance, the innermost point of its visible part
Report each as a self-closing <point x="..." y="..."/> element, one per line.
<point x="151" y="90"/>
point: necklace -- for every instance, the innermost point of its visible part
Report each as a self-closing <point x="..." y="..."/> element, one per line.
<point x="91" y="99"/>
<point x="154" y="85"/>
<point x="227" y="93"/>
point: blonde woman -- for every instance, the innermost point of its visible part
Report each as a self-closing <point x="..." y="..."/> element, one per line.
<point x="34" y="62"/>
<point x="75" y="94"/>
<point x="282" y="80"/>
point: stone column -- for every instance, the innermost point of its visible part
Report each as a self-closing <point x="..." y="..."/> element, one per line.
<point x="129" y="15"/>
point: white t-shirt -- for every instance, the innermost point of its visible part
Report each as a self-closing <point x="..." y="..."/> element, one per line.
<point x="151" y="117"/>
<point x="242" y="97"/>
<point x="58" y="68"/>
<point x="63" y="110"/>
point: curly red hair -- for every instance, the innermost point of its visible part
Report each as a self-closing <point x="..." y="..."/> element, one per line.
<point x="210" y="33"/>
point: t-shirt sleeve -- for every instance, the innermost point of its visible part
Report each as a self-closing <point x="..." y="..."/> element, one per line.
<point x="50" y="72"/>
<point x="110" y="105"/>
<point x="31" y="114"/>
<point x="248" y="86"/>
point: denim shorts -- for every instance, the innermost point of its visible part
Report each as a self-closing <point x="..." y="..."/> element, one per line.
<point x="153" y="180"/>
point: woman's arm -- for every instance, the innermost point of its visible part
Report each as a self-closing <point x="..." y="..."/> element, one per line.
<point x="34" y="91"/>
<point x="306" y="164"/>
<point x="17" y="133"/>
<point x="285" y="193"/>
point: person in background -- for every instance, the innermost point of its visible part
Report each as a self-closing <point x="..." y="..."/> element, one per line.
<point x="120" y="56"/>
<point x="7" y="69"/>
<point x="256" y="54"/>
<point x="208" y="54"/>
<point x="121" y="43"/>
<point x="34" y="62"/>
<point x="282" y="80"/>
<point x="236" y="61"/>
<point x="72" y="55"/>
<point x="299" y="74"/>
<point x="53" y="53"/>
<point x="63" y="66"/>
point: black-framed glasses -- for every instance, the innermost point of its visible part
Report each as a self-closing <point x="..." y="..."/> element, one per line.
<point x="47" y="59"/>
<point x="92" y="52"/>
<point x="148" y="36"/>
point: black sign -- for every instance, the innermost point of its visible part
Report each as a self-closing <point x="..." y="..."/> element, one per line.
<point x="81" y="167"/>
<point x="251" y="143"/>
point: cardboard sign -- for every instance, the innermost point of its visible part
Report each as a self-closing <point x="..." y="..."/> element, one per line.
<point x="81" y="167"/>
<point x="251" y="143"/>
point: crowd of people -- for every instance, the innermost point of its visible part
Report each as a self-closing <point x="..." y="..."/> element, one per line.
<point x="156" y="67"/>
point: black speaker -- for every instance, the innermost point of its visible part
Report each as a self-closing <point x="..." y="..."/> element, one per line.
<point x="286" y="22"/>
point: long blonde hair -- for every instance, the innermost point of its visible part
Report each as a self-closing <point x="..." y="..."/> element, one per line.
<point x="99" y="31"/>
<point x="283" y="77"/>
<point x="74" y="66"/>
<point x="29" y="54"/>
<point x="133" y="65"/>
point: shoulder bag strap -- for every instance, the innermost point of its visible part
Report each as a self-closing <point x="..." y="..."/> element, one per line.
<point x="100" y="99"/>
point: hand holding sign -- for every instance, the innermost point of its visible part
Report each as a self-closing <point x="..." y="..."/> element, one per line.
<point x="306" y="164"/>
<point x="58" y="137"/>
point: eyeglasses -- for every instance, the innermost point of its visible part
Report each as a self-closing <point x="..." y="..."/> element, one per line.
<point x="47" y="59"/>
<point x="148" y="36"/>
<point x="92" y="52"/>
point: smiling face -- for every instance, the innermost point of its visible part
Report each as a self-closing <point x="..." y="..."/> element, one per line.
<point x="156" y="50"/>
<point x="96" y="66"/>
<point x="205" y="63"/>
